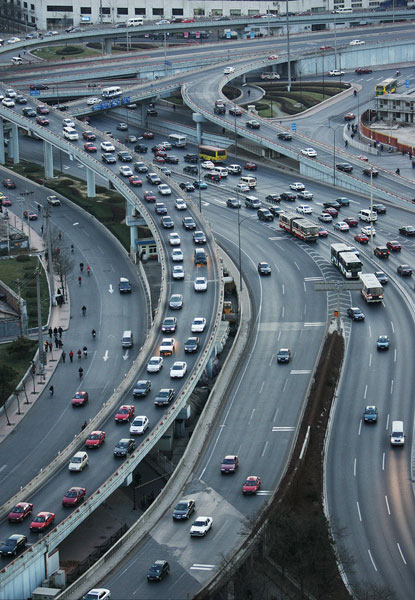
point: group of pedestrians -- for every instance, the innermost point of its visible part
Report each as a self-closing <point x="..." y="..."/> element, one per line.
<point x="57" y="333"/>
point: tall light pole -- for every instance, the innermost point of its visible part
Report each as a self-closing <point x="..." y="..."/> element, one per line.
<point x="240" y="221"/>
<point x="200" y="191"/>
<point x="371" y="209"/>
<point x="236" y="135"/>
<point x="334" y="153"/>
<point x="288" y="47"/>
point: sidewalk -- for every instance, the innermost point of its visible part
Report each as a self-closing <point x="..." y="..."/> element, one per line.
<point x="34" y="386"/>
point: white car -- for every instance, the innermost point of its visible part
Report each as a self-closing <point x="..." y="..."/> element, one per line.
<point x="309" y="152"/>
<point x="298" y="187"/>
<point x="177" y="255"/>
<point x="174" y="239"/>
<point x="154" y="364"/>
<point x="242" y="187"/>
<point x="53" y="200"/>
<point x="356" y="43"/>
<point x="139" y="425"/>
<point x="78" y="461"/>
<point x="126" y="171"/>
<point x="163" y="22"/>
<point x="198" y="325"/>
<point x="93" y="100"/>
<point x="180" y="204"/>
<point x="107" y="147"/>
<point x="228" y="70"/>
<point x="8" y="102"/>
<point x="11" y="93"/>
<point x="201" y="526"/>
<point x="178" y="272"/>
<point x="178" y="369"/>
<point x="207" y="164"/>
<point x="200" y="284"/>
<point x="167" y="346"/>
<point x="164" y="189"/>
<point x="166" y="145"/>
<point x="98" y="594"/>
<point x="368" y="230"/>
<point x="341" y="226"/>
<point x="68" y="123"/>
<point x="304" y="209"/>
<point x="14" y="40"/>
<point x="304" y="195"/>
<point x="336" y="73"/>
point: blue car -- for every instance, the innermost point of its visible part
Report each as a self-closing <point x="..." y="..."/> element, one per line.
<point x="202" y="185"/>
<point x="383" y="342"/>
<point x="370" y="414"/>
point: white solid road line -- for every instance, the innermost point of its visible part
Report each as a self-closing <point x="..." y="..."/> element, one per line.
<point x="354" y="467"/>
<point x="387" y="505"/>
<point x="383" y="461"/>
<point x="300" y="372"/>
<point x="281" y="428"/>
<point x="358" y="510"/>
<point x="371" y="558"/>
<point x="401" y="553"/>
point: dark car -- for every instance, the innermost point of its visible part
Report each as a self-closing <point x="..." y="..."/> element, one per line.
<point x="382" y="277"/>
<point x="229" y="464"/>
<point x="171" y="159"/>
<point x="404" y="270"/>
<point x="408" y="230"/>
<point x="151" y="112"/>
<point x="164" y="397"/>
<point x="332" y="204"/>
<point x="188" y="223"/>
<point x="38" y="86"/>
<point x="393" y="246"/>
<point x="199" y="237"/>
<point x="124" y="447"/>
<point x="140" y="167"/>
<point x="289" y="196"/>
<point x="368" y="170"/>
<point x="253" y="124"/>
<point x="383" y="342"/>
<point x="187" y="186"/>
<point x="233" y="203"/>
<point x="264" y="268"/>
<point x="158" y="570"/>
<point x="212" y="177"/>
<point x="169" y="325"/>
<point x="265" y="215"/>
<point x="381" y="252"/>
<point x="13" y="545"/>
<point x="9" y="184"/>
<point x="380" y="209"/>
<point x="160" y="208"/>
<point x="191" y="345"/>
<point x="124" y="156"/>
<point x="284" y="355"/>
<point x="355" y="313"/>
<point x="108" y="158"/>
<point x="351" y="221"/>
<point x="287" y="137"/>
<point x="153" y="178"/>
<point x="89" y="136"/>
<point x="29" y="112"/>
<point x="274" y="198"/>
<point x="167" y="222"/>
<point x="183" y="509"/>
<point x="200" y="185"/>
<point x="42" y="110"/>
<point x="235" y="111"/>
<point x="191" y="158"/>
<point x="42" y="121"/>
<point x="140" y="148"/>
<point x="124" y="286"/>
<point x="141" y="388"/>
<point x="190" y="170"/>
<point x="345" y="167"/>
<point x="363" y="70"/>
<point x="343" y="201"/>
<point x="370" y="414"/>
<point x="219" y="110"/>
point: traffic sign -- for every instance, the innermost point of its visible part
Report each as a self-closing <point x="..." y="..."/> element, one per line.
<point x="294" y="126"/>
<point x="35" y="92"/>
<point x="407" y="83"/>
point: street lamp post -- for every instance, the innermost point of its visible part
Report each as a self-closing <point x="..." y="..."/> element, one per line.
<point x="288" y="47"/>
<point x="200" y="191"/>
<point x="236" y="135"/>
<point x="240" y="221"/>
<point x="334" y="153"/>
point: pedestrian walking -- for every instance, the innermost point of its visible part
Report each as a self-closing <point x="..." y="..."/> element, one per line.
<point x="80" y="280"/>
<point x="50" y="346"/>
<point x="51" y="390"/>
<point x="60" y="330"/>
<point x="81" y="266"/>
<point x="85" y="351"/>
<point x="79" y="353"/>
<point x="46" y="346"/>
<point x="55" y="331"/>
<point x="81" y="372"/>
<point x="63" y="356"/>
<point x="56" y="342"/>
<point x="71" y="356"/>
<point x="60" y="344"/>
<point x="174" y="108"/>
<point x="50" y="331"/>
<point x="84" y="425"/>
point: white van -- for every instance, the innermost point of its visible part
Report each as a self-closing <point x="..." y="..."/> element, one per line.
<point x="248" y="180"/>
<point x="111" y="92"/>
<point x="127" y="340"/>
<point x="222" y="171"/>
<point x="368" y="216"/>
<point x="134" y="21"/>
<point x="228" y="70"/>
<point x="16" y="60"/>
<point x="397" y="434"/>
<point x="252" y="202"/>
<point x="70" y="133"/>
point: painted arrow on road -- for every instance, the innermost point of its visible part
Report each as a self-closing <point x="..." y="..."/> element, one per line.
<point x="106" y="356"/>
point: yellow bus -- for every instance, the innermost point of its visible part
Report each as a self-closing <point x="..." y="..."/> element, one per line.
<point x="212" y="153"/>
<point x="388" y="86"/>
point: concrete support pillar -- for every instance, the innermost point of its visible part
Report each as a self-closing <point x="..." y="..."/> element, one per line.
<point x="14" y="144"/>
<point x="48" y="158"/>
<point x="198" y="119"/>
<point x="179" y="429"/>
<point x="107" y="46"/>
<point x="130" y="211"/>
<point x="143" y="109"/>
<point x="90" y="183"/>
<point x="2" y="153"/>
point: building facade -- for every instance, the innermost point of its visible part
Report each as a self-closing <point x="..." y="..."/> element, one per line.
<point x="396" y="108"/>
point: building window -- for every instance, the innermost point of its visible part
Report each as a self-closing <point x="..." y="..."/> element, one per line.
<point x="140" y="11"/>
<point x="24" y="4"/>
<point x="33" y="19"/>
<point x="122" y="11"/>
<point x="216" y="12"/>
<point x="236" y="12"/>
<point x="158" y="12"/>
<point x="52" y="8"/>
<point x="105" y="10"/>
<point x="198" y="12"/>
<point x="177" y="12"/>
<point x="86" y="10"/>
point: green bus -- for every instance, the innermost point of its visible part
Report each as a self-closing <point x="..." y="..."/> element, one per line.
<point x="388" y="86"/>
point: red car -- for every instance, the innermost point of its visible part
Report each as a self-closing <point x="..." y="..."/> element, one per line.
<point x="31" y="215"/>
<point x="89" y="136"/>
<point x="351" y="221"/>
<point x="361" y="238"/>
<point x="235" y="111"/>
<point x="95" y="439"/>
<point x="331" y="211"/>
<point x="73" y="496"/>
<point x="42" y="521"/>
<point x="326" y="47"/>
<point x="90" y="147"/>
<point x="5" y="201"/>
<point x="160" y="152"/>
<point x="80" y="399"/>
<point x="124" y="413"/>
<point x="251" y="485"/>
<point x="322" y="232"/>
<point x="42" y="110"/>
<point x="394" y="246"/>
<point x="349" y="116"/>
<point x="363" y="70"/>
<point x="147" y="135"/>
<point x="149" y="196"/>
<point x="159" y="159"/>
<point x="42" y="121"/>
<point x="136" y="181"/>
<point x="20" y="512"/>
<point x="250" y="166"/>
<point x="188" y="20"/>
<point x="9" y="184"/>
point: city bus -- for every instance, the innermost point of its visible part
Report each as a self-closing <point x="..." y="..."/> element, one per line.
<point x="178" y="141"/>
<point x="301" y="228"/>
<point x="212" y="153"/>
<point x="347" y="261"/>
<point x="372" y="290"/>
<point x="388" y="86"/>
